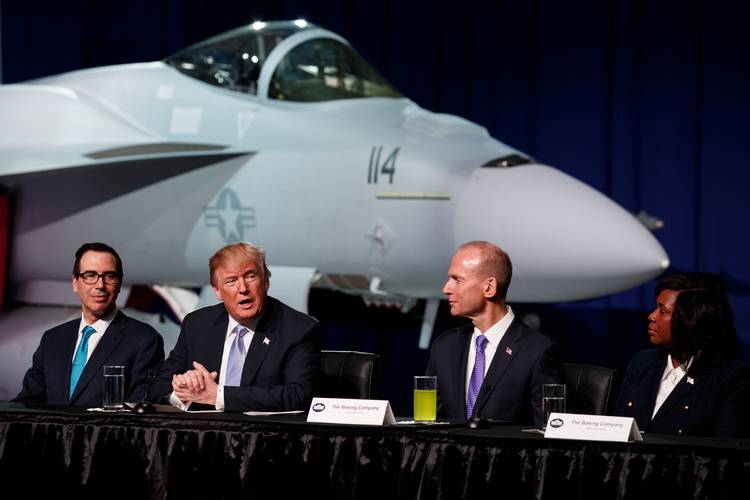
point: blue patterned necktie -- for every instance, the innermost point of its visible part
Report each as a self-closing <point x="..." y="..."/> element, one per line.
<point x="236" y="360"/>
<point x="477" y="376"/>
<point x="79" y="361"/>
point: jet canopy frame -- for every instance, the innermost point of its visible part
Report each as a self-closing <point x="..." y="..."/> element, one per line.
<point x="323" y="67"/>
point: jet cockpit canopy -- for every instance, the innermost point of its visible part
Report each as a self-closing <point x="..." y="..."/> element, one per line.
<point x="317" y="68"/>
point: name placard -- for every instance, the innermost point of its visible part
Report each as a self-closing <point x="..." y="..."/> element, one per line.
<point x="351" y="411"/>
<point x="592" y="427"/>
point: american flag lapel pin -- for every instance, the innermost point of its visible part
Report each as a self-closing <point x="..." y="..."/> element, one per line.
<point x="690" y="381"/>
<point x="266" y="340"/>
<point x="509" y="351"/>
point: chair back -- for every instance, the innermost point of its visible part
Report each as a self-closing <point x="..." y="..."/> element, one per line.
<point x="589" y="388"/>
<point x="348" y="374"/>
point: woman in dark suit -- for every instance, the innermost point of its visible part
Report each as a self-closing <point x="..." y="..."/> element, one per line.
<point x="693" y="383"/>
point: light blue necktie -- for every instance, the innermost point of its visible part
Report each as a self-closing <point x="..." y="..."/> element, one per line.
<point x="79" y="361"/>
<point x="236" y="360"/>
<point x="477" y="376"/>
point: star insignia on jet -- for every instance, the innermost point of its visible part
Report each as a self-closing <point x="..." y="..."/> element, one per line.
<point x="229" y="216"/>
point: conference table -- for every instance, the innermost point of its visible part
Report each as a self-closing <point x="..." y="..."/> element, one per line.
<point x="53" y="451"/>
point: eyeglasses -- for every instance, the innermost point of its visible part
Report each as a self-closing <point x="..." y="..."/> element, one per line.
<point x="91" y="277"/>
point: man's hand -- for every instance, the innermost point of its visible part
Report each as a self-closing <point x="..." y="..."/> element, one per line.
<point x="196" y="386"/>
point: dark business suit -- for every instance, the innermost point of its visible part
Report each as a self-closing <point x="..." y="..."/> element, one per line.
<point x="512" y="389"/>
<point x="127" y="341"/>
<point x="716" y="403"/>
<point x="280" y="366"/>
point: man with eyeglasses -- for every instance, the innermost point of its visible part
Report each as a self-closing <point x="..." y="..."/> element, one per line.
<point x="67" y="366"/>
<point x="251" y="352"/>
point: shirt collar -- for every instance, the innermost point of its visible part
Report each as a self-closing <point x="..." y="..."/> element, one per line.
<point x="101" y="324"/>
<point x="233" y="324"/>
<point x="670" y="369"/>
<point x="496" y="332"/>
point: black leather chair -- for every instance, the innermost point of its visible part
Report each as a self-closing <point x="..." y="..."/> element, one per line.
<point x="589" y="388"/>
<point x="348" y="374"/>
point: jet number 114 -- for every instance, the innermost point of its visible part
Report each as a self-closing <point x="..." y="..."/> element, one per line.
<point x="387" y="167"/>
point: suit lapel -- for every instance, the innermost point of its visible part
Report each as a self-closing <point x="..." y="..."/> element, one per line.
<point x="112" y="337"/>
<point x="68" y="346"/>
<point x="263" y="338"/>
<point x="214" y="348"/>
<point x="458" y="368"/>
<point x="507" y="350"/>
<point x="652" y="382"/>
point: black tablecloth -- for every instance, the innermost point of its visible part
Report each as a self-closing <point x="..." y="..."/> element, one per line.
<point x="49" y="451"/>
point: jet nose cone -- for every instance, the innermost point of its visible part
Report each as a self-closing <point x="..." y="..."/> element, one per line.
<point x="566" y="240"/>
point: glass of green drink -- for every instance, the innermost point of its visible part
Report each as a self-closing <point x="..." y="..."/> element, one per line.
<point x="425" y="399"/>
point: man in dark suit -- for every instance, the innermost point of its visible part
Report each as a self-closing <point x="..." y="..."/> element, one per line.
<point x="67" y="366"/>
<point x="495" y="367"/>
<point x="250" y="353"/>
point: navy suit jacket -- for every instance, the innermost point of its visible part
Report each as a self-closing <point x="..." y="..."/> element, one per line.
<point x="127" y="342"/>
<point x="512" y="389"/>
<point x="281" y="364"/>
<point x="716" y="403"/>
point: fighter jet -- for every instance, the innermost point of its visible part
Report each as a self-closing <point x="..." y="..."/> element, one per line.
<point x="280" y="133"/>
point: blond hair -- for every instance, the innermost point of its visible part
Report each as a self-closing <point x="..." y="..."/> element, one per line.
<point x="238" y="252"/>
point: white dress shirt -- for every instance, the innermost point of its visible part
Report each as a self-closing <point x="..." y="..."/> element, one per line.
<point x="100" y="326"/>
<point x="228" y="340"/>
<point x="669" y="379"/>
<point x="494" y="335"/>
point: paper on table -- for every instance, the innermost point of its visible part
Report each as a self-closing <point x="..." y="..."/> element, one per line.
<point x="267" y="413"/>
<point x="413" y="422"/>
<point x="128" y="408"/>
<point x="534" y="431"/>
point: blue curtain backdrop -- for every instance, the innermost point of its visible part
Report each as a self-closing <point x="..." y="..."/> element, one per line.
<point x="646" y="101"/>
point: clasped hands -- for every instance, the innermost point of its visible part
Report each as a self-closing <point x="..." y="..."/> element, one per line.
<point x="196" y="386"/>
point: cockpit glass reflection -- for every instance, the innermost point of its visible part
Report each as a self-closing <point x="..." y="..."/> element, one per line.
<point x="323" y="70"/>
<point x="233" y="60"/>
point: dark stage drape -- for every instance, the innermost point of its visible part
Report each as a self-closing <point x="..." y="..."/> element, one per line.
<point x="645" y="101"/>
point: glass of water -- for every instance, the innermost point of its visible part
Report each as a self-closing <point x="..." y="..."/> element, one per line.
<point x="553" y="400"/>
<point x="114" y="388"/>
